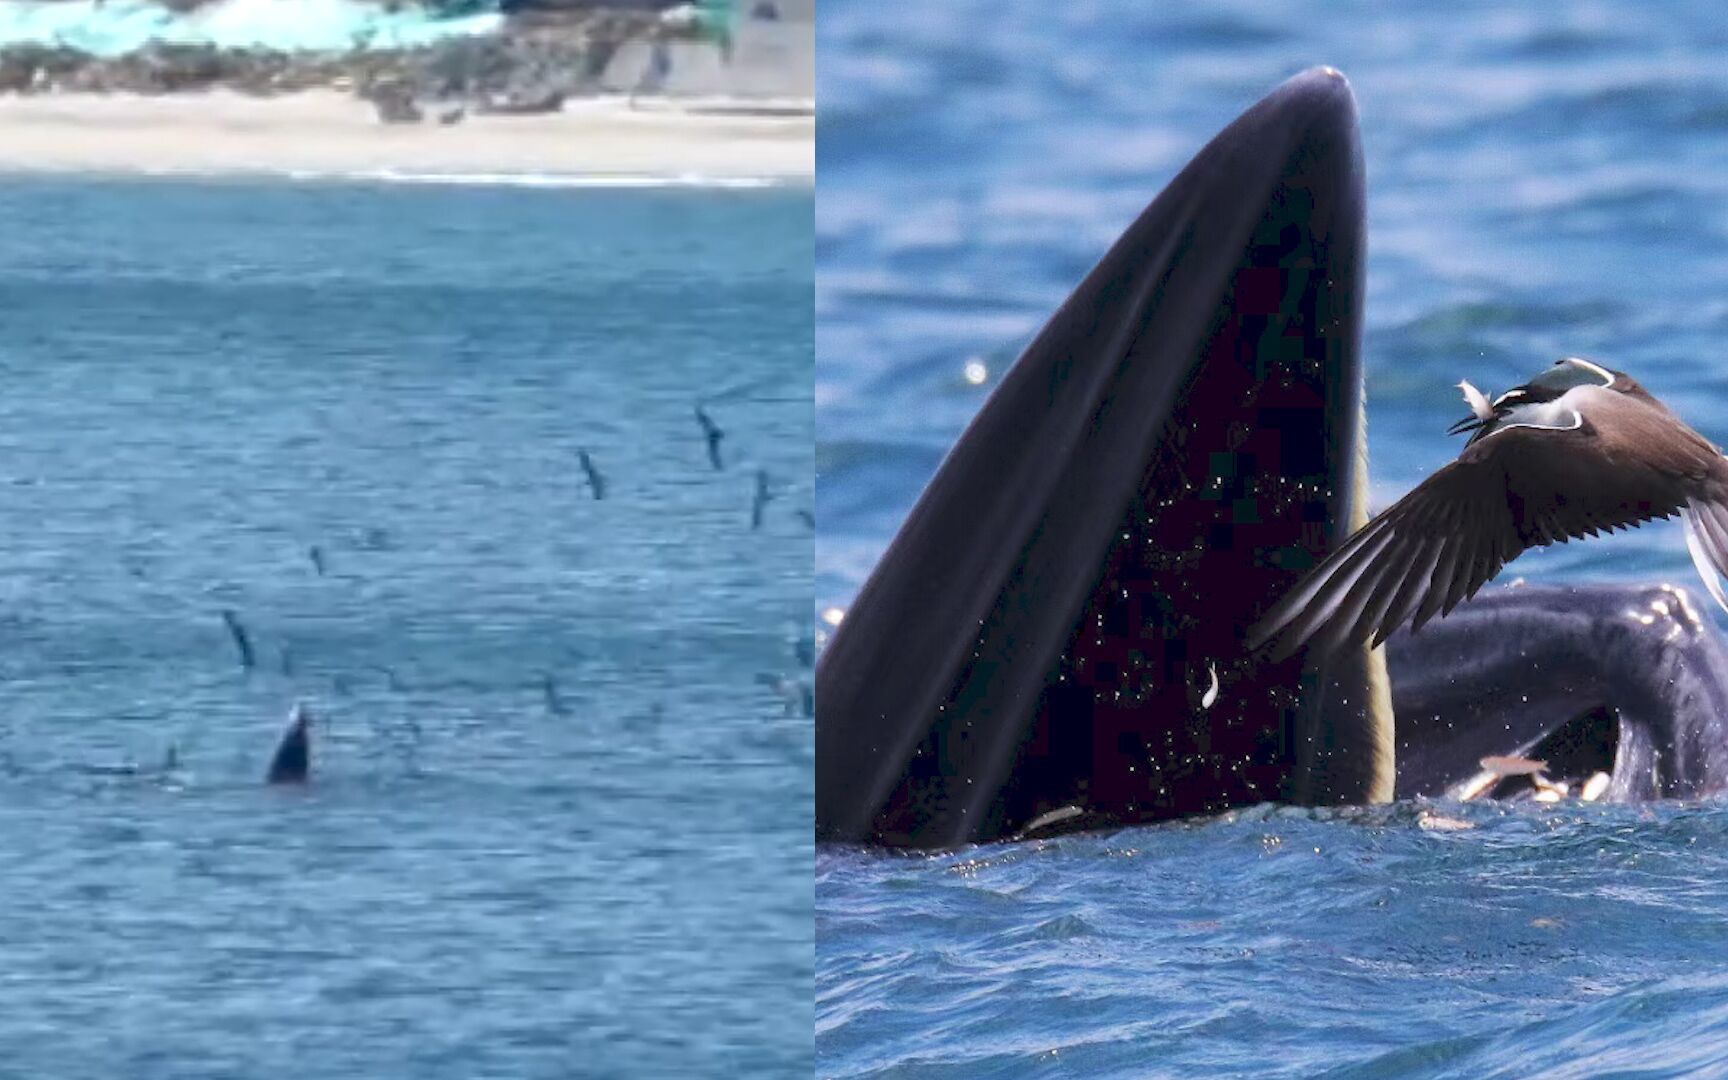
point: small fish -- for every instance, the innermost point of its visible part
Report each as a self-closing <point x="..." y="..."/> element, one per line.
<point x="1477" y="400"/>
<point x="1045" y="820"/>
<point x="1433" y="822"/>
<point x="1595" y="787"/>
<point x="316" y="554"/>
<point x="1513" y="766"/>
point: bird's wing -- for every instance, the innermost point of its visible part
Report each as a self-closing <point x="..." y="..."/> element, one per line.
<point x="1423" y="554"/>
<point x="1706" y="517"/>
<point x="1519" y="488"/>
<point x="1706" y="510"/>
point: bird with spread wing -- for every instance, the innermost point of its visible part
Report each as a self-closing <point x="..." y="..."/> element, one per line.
<point x="1576" y="450"/>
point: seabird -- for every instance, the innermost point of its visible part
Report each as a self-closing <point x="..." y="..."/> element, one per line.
<point x="596" y="482"/>
<point x="1576" y="450"/>
<point x="242" y="642"/>
<point x="711" y="431"/>
<point x="760" y="503"/>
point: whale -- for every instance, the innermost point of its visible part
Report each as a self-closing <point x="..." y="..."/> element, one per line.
<point x="1178" y="443"/>
<point x="292" y="761"/>
<point x="1627" y="681"/>
<point x="1053" y="641"/>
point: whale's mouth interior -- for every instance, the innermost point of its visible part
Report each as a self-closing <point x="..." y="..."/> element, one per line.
<point x="1575" y="754"/>
<point x="1236" y="498"/>
<point x="1054" y="638"/>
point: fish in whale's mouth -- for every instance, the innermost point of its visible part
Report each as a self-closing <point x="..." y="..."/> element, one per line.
<point x="1574" y="761"/>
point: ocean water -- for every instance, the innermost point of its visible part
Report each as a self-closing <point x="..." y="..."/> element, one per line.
<point x="1541" y="182"/>
<point x="558" y="823"/>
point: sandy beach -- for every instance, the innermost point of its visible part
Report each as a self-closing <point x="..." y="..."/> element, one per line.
<point x="329" y="132"/>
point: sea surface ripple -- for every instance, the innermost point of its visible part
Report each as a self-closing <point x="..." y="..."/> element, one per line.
<point x="558" y="823"/>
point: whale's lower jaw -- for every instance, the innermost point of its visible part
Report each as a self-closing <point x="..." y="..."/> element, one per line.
<point x="1058" y="623"/>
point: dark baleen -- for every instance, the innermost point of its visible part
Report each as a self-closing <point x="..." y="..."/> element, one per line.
<point x="1058" y="623"/>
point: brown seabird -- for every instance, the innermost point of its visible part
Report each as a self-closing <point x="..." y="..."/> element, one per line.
<point x="1576" y="450"/>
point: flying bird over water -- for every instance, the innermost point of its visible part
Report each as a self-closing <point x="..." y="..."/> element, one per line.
<point x="1576" y="450"/>
<point x="711" y="431"/>
<point x="242" y="642"/>
<point x="596" y="482"/>
<point x="760" y="503"/>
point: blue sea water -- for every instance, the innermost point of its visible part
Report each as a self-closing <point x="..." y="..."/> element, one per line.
<point x="203" y="382"/>
<point x="1542" y="181"/>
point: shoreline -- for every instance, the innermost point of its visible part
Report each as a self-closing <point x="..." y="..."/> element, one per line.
<point x="325" y="134"/>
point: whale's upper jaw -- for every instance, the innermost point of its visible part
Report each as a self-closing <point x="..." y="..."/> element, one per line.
<point x="1175" y="447"/>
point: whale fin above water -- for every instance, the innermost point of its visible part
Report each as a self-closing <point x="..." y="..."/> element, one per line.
<point x="1176" y="446"/>
<point x="292" y="762"/>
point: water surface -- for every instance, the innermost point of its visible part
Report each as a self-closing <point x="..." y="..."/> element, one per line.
<point x="558" y="824"/>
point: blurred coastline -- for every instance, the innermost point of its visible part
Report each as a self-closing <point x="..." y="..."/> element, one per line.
<point x="621" y="91"/>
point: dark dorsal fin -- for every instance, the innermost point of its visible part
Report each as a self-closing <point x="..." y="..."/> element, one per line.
<point x="292" y="763"/>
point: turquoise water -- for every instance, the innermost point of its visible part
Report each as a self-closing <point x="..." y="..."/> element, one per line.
<point x="204" y="382"/>
<point x="1540" y="182"/>
<point x="117" y="27"/>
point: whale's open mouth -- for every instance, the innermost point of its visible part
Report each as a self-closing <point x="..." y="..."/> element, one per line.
<point x="1059" y="622"/>
<point x="1578" y="761"/>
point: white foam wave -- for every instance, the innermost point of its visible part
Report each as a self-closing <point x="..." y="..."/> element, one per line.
<point x="543" y="180"/>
